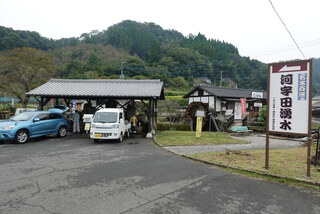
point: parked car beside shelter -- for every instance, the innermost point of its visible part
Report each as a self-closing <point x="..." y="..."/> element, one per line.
<point x="32" y="124"/>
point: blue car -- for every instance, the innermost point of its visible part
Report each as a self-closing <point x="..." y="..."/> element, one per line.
<point x="27" y="125"/>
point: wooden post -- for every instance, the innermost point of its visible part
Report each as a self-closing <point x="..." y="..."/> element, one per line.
<point x="267" y="150"/>
<point x="267" y="122"/>
<point x="308" y="156"/>
<point x="41" y="104"/>
<point x="309" y="120"/>
<point x="150" y="116"/>
<point x="155" y="115"/>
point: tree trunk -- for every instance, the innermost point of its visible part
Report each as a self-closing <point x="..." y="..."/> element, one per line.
<point x="24" y="101"/>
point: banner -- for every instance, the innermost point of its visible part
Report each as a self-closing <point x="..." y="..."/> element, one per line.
<point x="74" y="103"/>
<point x="243" y="105"/>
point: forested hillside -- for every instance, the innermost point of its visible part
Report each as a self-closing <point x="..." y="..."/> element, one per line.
<point x="146" y="50"/>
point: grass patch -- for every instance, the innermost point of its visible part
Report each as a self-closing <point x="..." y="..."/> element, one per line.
<point x="284" y="162"/>
<point x="183" y="138"/>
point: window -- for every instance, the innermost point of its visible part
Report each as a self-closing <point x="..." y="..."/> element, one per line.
<point x="23" y="116"/>
<point x="54" y="116"/>
<point x="105" y="117"/>
<point x="43" y="116"/>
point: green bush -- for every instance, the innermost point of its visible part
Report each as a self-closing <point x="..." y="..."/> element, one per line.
<point x="7" y="107"/>
<point x="263" y="114"/>
<point x="175" y="93"/>
<point x="173" y="126"/>
<point x="179" y="99"/>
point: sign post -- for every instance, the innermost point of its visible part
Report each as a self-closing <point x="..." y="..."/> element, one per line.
<point x="199" y="114"/>
<point x="289" y="101"/>
<point x="199" y="127"/>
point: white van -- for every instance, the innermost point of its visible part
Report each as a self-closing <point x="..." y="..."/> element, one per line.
<point x="109" y="123"/>
<point x="20" y="110"/>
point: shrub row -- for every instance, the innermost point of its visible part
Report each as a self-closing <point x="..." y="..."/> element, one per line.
<point x="173" y="126"/>
<point x="179" y="99"/>
<point x="175" y="93"/>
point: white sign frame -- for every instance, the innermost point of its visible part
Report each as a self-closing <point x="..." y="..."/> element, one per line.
<point x="289" y="97"/>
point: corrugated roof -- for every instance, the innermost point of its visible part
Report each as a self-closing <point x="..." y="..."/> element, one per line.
<point x="227" y="92"/>
<point x="100" y="88"/>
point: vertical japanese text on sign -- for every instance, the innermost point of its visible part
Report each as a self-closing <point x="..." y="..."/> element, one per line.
<point x="289" y="97"/>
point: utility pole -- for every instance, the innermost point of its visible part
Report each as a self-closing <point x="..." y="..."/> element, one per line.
<point x="221" y="78"/>
<point x="122" y="76"/>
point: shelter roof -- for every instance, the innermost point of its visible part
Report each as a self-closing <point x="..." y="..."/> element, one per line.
<point x="226" y="92"/>
<point x="100" y="88"/>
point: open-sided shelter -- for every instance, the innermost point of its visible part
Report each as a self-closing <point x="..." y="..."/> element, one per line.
<point x="103" y="91"/>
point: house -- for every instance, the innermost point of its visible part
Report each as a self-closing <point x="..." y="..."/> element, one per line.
<point x="223" y="99"/>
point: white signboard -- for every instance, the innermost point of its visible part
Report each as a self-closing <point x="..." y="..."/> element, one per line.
<point x="237" y="110"/>
<point x="288" y="104"/>
<point x="257" y="95"/>
<point x="200" y="113"/>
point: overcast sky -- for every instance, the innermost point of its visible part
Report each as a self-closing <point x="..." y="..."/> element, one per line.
<point x="251" y="25"/>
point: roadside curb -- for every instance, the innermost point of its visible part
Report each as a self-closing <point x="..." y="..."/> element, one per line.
<point x="297" y="180"/>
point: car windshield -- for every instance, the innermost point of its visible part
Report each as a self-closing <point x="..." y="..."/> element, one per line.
<point x="105" y="117"/>
<point x="24" y="116"/>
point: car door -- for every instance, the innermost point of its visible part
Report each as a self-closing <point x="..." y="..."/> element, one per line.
<point x="53" y="122"/>
<point x="40" y="124"/>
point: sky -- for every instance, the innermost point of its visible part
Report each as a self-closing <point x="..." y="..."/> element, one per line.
<point x="250" y="25"/>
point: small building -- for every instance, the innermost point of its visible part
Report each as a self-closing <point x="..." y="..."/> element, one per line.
<point x="222" y="100"/>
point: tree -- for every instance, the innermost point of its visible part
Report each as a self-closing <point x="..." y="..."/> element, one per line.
<point x="94" y="63"/>
<point x="179" y="82"/>
<point x="155" y="53"/>
<point x="263" y="114"/>
<point x="23" y="69"/>
<point x="170" y="108"/>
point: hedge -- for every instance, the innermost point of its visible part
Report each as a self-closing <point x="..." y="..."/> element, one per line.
<point x="175" y="93"/>
<point x="172" y="126"/>
<point x="179" y="99"/>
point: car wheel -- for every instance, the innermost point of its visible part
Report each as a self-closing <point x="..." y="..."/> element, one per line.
<point x="120" y="138"/>
<point x="62" y="132"/>
<point x="22" y="136"/>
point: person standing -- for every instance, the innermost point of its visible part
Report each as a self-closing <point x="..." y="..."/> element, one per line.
<point x="134" y="122"/>
<point x="76" y="122"/>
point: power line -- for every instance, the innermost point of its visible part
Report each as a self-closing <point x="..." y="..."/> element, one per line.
<point x="286" y="28"/>
<point x="285" y="49"/>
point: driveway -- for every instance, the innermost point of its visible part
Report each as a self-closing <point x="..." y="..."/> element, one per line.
<point x="254" y="142"/>
<point x="74" y="175"/>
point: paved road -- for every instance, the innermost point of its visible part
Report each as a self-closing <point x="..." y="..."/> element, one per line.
<point x="254" y="142"/>
<point x="73" y="175"/>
